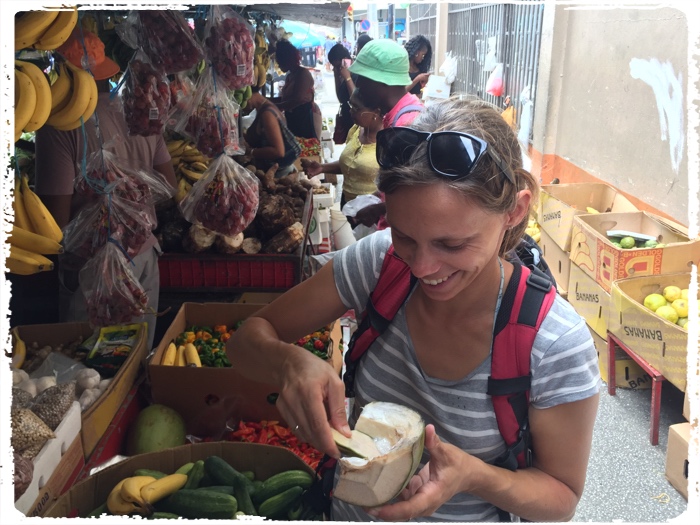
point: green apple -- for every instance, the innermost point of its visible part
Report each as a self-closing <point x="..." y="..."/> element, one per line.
<point x="667" y="312"/>
<point x="654" y="300"/>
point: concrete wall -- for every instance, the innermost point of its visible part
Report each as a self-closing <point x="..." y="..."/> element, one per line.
<point x="612" y="101"/>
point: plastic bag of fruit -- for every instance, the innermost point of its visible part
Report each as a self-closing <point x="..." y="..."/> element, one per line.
<point x="182" y="95"/>
<point x="127" y="222"/>
<point x="211" y="120"/>
<point x="229" y="46"/>
<point x="224" y="200"/>
<point x="145" y="97"/>
<point x="169" y="41"/>
<point x="113" y="294"/>
<point x="141" y="184"/>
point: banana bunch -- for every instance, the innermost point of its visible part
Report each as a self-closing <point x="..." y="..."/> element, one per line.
<point x="261" y="60"/>
<point x="533" y="230"/>
<point x="189" y="164"/>
<point x="44" y="30"/>
<point x="138" y="494"/>
<point x="32" y="98"/>
<point x="73" y="98"/>
<point x="34" y="233"/>
<point x="242" y="95"/>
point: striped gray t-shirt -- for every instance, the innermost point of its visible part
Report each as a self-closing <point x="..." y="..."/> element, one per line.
<point x="564" y="368"/>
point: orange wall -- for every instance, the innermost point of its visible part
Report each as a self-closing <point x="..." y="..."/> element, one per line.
<point x="547" y="167"/>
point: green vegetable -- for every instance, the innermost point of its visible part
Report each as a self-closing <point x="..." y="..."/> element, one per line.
<point x="185" y="469"/>
<point x="281" y="482"/>
<point x="223" y="489"/>
<point x="163" y="516"/>
<point x="149" y="472"/>
<point x="102" y="509"/>
<point x="195" y="475"/>
<point x="279" y="505"/>
<point x="224" y="474"/>
<point x="202" y="504"/>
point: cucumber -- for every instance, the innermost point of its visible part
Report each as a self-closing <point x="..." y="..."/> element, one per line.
<point x="278" y="483"/>
<point x="245" y="503"/>
<point x="249" y="474"/>
<point x="102" y="509"/>
<point x="255" y="486"/>
<point x="149" y="472"/>
<point x="224" y="474"/>
<point x="202" y="504"/>
<point x="194" y="477"/>
<point x="223" y="489"/>
<point x="185" y="469"/>
<point x="279" y="505"/>
<point x="206" y="480"/>
<point x="163" y="516"/>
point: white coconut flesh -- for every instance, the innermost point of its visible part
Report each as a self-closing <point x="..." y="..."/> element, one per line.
<point x="397" y="435"/>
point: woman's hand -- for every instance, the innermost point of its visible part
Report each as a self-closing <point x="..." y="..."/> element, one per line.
<point x="423" y="79"/>
<point x="311" y="167"/>
<point x="439" y="480"/>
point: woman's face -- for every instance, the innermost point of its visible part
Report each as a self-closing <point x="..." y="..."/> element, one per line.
<point x="446" y="238"/>
<point x="361" y="115"/>
<point x="420" y="55"/>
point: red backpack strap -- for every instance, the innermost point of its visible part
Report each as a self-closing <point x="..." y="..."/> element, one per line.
<point x="392" y="289"/>
<point x="509" y="383"/>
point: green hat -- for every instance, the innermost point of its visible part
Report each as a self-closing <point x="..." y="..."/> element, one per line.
<point x="383" y="61"/>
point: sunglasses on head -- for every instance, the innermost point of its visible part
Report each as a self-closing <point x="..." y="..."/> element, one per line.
<point x="450" y="153"/>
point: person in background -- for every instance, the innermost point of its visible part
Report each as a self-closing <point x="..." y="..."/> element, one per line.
<point x="360" y="43"/>
<point x="346" y="44"/>
<point x="297" y="97"/>
<point x="339" y="57"/>
<point x="264" y="136"/>
<point x="358" y="161"/>
<point x="420" y="56"/>
<point x="327" y="45"/>
<point x="458" y="201"/>
<point x="382" y="76"/>
<point x="58" y="158"/>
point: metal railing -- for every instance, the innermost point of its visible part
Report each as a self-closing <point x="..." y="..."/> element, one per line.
<point x="422" y="19"/>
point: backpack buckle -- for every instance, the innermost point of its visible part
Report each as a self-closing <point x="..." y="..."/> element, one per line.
<point x="539" y="282"/>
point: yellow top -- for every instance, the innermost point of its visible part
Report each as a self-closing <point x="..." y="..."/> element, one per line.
<point x="358" y="163"/>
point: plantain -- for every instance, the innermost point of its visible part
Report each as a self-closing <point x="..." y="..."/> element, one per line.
<point x="21" y="217"/>
<point x="25" y="102"/>
<point x="41" y="219"/>
<point x="33" y="242"/>
<point x="30" y="26"/>
<point x="169" y="355"/>
<point x="80" y="98"/>
<point x="42" y="108"/>
<point x="59" y="30"/>
<point x="163" y="487"/>
<point x="131" y="489"/>
<point x="119" y="506"/>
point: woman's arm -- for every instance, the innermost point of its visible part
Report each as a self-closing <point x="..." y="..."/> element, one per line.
<point x="312" y="394"/>
<point x="420" y="79"/>
<point x="297" y="91"/>
<point x="273" y="134"/>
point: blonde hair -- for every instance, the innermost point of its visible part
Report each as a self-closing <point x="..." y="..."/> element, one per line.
<point x="486" y="184"/>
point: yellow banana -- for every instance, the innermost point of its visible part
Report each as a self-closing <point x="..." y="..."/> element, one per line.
<point x="25" y="102"/>
<point x="45" y="263"/>
<point x="169" y="355"/>
<point x="19" y="349"/>
<point x="59" y="30"/>
<point x="183" y="188"/>
<point x="193" y="158"/>
<point x="199" y="166"/>
<point x="21" y="217"/>
<point x="131" y="489"/>
<point x="33" y="242"/>
<point x="43" y="94"/>
<point x="42" y="221"/>
<point x="159" y="489"/>
<point x="89" y="110"/>
<point x="192" y="356"/>
<point x="30" y="26"/>
<point x="192" y="175"/>
<point x="21" y="265"/>
<point x="118" y="505"/>
<point x="180" y="359"/>
<point x="174" y="145"/>
<point x="80" y="98"/>
<point x="61" y="89"/>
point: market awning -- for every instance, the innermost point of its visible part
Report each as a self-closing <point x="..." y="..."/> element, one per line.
<point x="321" y="12"/>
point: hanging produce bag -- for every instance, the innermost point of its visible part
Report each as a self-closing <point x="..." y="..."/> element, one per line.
<point x="212" y="119"/>
<point x="112" y="293"/>
<point x="182" y="94"/>
<point x="494" y="85"/>
<point x="127" y="222"/>
<point x="145" y="97"/>
<point x="169" y="41"/>
<point x="229" y="47"/>
<point x="141" y="185"/>
<point x="224" y="200"/>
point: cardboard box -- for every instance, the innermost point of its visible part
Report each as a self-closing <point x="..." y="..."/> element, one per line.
<point x="56" y="466"/>
<point x="258" y="298"/>
<point x="628" y="374"/>
<point x="560" y="203"/>
<point x="590" y="300"/>
<point x="209" y="397"/>
<point x="664" y="345"/>
<point x="677" y="457"/>
<point x="557" y="260"/>
<point x="98" y="416"/>
<point x="319" y="228"/>
<point x="263" y="460"/>
<point x="598" y="257"/>
<point x="686" y="407"/>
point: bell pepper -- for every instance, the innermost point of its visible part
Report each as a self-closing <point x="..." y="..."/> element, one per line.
<point x="190" y="337"/>
<point x="220" y="329"/>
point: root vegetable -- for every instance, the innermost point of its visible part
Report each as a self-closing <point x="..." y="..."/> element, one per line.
<point x="251" y="245"/>
<point x="88" y="397"/>
<point x="229" y="245"/>
<point x="198" y="239"/>
<point x="86" y="379"/>
<point x="286" y="241"/>
<point x="45" y="382"/>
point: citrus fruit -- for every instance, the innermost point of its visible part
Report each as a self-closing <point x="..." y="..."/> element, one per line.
<point x="654" y="301"/>
<point x="681" y="307"/>
<point x="667" y="312"/>
<point x="682" y="321"/>
<point x="671" y="293"/>
<point x="627" y="242"/>
<point x="684" y="293"/>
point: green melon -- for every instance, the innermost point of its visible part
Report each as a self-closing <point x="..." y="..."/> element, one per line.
<point x="156" y="428"/>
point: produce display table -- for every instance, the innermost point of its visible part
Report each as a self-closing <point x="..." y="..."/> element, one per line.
<point x="656" y="376"/>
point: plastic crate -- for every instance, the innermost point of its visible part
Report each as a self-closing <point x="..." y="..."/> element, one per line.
<point x="238" y="272"/>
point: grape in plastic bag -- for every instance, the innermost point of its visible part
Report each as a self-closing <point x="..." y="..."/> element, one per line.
<point x="145" y="97"/>
<point x="112" y="293"/>
<point x="229" y="47"/>
<point x="225" y="199"/>
<point x="168" y="41"/>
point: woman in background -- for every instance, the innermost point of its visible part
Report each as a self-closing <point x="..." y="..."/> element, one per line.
<point x="339" y="57"/>
<point x="297" y="97"/>
<point x="420" y="56"/>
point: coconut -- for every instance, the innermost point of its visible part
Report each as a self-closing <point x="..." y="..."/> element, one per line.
<point x="373" y="474"/>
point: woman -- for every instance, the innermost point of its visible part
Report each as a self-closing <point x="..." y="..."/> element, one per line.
<point x="420" y="55"/>
<point x="358" y="161"/>
<point x="457" y="202"/>
<point x="361" y="41"/>
<point x="265" y="136"/>
<point x="297" y="97"/>
<point x="339" y="58"/>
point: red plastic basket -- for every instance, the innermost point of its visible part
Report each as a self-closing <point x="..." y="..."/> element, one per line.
<point x="239" y="272"/>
